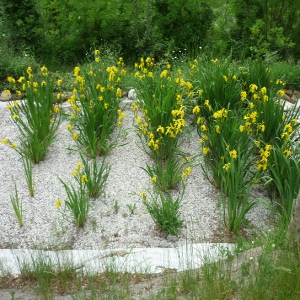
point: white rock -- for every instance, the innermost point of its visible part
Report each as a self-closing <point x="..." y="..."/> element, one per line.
<point x="4" y="96"/>
<point x="132" y="94"/>
<point x="288" y="105"/>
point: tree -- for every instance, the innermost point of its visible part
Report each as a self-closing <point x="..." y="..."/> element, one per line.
<point x="266" y="26"/>
<point x="21" y="20"/>
<point x="184" y="23"/>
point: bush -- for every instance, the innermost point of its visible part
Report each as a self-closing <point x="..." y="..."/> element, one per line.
<point x="14" y="65"/>
<point x="288" y="73"/>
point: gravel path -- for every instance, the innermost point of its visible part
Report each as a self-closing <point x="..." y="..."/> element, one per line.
<point x="45" y="228"/>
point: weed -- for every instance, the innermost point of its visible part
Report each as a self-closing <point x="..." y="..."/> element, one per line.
<point x="164" y="211"/>
<point x="78" y="202"/>
<point x="96" y="174"/>
<point x="283" y="179"/>
<point x="167" y="174"/>
<point x="28" y="175"/>
<point x="132" y="208"/>
<point x="17" y="206"/>
<point x="116" y="206"/>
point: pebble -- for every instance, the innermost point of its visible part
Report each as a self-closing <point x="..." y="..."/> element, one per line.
<point x="47" y="227"/>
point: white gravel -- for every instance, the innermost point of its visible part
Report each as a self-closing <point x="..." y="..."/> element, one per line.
<point x="45" y="228"/>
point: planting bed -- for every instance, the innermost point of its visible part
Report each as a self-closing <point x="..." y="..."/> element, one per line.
<point x="46" y="228"/>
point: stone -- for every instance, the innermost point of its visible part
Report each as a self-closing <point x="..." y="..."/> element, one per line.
<point x="289" y="93"/>
<point x="291" y="96"/>
<point x="4" y="96"/>
<point x="294" y="98"/>
<point x="132" y="94"/>
<point x="288" y="105"/>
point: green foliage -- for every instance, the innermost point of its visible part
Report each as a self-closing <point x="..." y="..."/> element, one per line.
<point x="132" y="208"/>
<point x="78" y="202"/>
<point x="64" y="31"/>
<point x="265" y="268"/>
<point x="258" y="73"/>
<point x="17" y="206"/>
<point x="116" y="206"/>
<point x="164" y="211"/>
<point x="216" y="81"/>
<point x="219" y="35"/>
<point x="70" y="28"/>
<point x="275" y="39"/>
<point x="98" y="114"/>
<point x="48" y="274"/>
<point x="13" y="65"/>
<point x="273" y="270"/>
<point x="284" y="175"/>
<point x="96" y="173"/>
<point x="219" y="138"/>
<point x="229" y="138"/>
<point x="38" y="118"/>
<point x="266" y="117"/>
<point x="162" y="118"/>
<point x="269" y="24"/>
<point x="184" y="23"/>
<point x="235" y="187"/>
<point x="267" y="127"/>
<point x="288" y="73"/>
<point x="166" y="174"/>
<point x="228" y="151"/>
<point x="91" y="179"/>
<point x="21" y="21"/>
<point x="27" y="165"/>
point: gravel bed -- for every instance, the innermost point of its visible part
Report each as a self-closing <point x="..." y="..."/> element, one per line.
<point x="45" y="228"/>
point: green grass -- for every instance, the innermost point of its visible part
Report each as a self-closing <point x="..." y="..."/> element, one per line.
<point x="289" y="73"/>
<point x="266" y="268"/>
